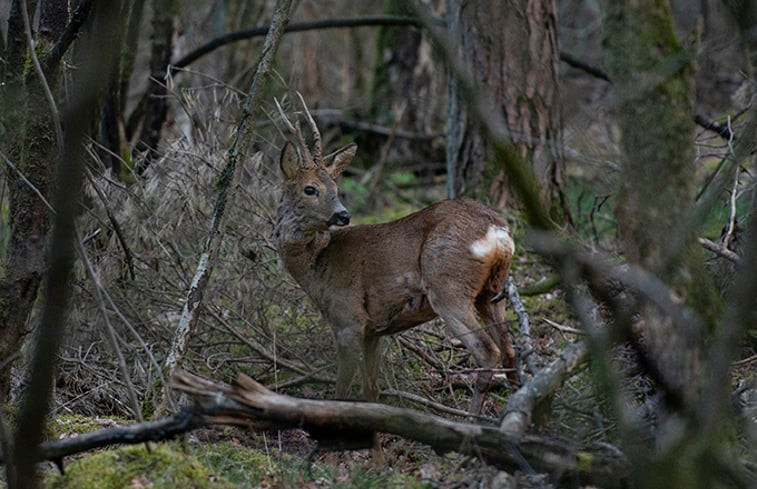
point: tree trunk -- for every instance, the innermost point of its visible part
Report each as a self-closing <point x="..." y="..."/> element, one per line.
<point x="111" y="115"/>
<point x="404" y="77"/>
<point x="654" y="79"/>
<point x="156" y="101"/>
<point x="511" y="49"/>
<point x="33" y="147"/>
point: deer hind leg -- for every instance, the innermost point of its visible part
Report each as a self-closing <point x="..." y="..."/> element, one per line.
<point x="461" y="321"/>
<point x="493" y="317"/>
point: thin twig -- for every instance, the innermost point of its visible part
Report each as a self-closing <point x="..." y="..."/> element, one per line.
<point x="109" y="330"/>
<point x="116" y="226"/>
<point x="563" y="328"/>
<point x="744" y="361"/>
<point x="28" y="182"/>
<point x="732" y="200"/>
<point x="439" y="407"/>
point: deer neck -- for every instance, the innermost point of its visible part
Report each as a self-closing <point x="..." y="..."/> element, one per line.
<point x="299" y="249"/>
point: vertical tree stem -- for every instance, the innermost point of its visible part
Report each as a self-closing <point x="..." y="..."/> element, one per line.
<point x="242" y="137"/>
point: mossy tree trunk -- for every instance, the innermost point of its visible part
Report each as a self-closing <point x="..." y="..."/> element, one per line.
<point x="32" y="146"/>
<point x="511" y="49"/>
<point x="654" y="77"/>
<point x="30" y="142"/>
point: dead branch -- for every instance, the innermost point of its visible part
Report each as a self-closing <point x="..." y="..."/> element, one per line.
<point x="719" y="250"/>
<point x="428" y="403"/>
<point x="521" y="405"/>
<point x="573" y="61"/>
<point x="378" y="20"/>
<point x="78" y="18"/>
<point x="162" y="429"/>
<point x="541" y="287"/>
<point x="525" y="346"/>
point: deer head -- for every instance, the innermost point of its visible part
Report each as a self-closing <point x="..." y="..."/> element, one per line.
<point x="309" y="184"/>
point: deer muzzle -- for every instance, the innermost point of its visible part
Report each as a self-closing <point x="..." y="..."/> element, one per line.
<point x="340" y="219"/>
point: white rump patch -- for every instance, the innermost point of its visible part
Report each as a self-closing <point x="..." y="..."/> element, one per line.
<point x="497" y="238"/>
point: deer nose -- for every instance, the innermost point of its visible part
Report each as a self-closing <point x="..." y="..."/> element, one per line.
<point x="340" y="218"/>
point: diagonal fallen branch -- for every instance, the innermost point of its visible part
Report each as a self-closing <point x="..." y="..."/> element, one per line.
<point x="521" y="405"/>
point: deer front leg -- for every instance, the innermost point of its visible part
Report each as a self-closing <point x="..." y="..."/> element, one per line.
<point x="348" y="346"/>
<point x="370" y="366"/>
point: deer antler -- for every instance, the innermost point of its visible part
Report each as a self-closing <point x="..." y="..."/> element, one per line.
<point x="317" y="148"/>
<point x="295" y="130"/>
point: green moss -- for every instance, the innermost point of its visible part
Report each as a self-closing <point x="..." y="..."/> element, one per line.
<point x="584" y="461"/>
<point x="239" y="464"/>
<point x="248" y="467"/>
<point x="133" y="466"/>
<point x="71" y="424"/>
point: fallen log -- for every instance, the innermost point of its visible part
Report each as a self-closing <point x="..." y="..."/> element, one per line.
<point x="347" y="425"/>
<point x="340" y="423"/>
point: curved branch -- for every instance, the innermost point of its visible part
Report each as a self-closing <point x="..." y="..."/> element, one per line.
<point x="377" y="20"/>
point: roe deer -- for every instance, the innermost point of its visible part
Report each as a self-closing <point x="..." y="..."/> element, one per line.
<point x="448" y="260"/>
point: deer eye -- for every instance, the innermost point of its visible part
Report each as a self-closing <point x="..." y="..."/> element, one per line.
<point x="310" y="190"/>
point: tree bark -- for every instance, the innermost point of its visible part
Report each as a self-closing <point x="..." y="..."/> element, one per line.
<point x="111" y="113"/>
<point x="654" y="77"/>
<point x="511" y="50"/>
<point x="33" y="146"/>
<point x="77" y="120"/>
<point x="156" y="100"/>
<point x="406" y="83"/>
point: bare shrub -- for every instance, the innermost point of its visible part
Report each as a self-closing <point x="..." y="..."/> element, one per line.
<point x="164" y="218"/>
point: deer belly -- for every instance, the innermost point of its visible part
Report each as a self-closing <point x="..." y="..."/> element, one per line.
<point x="413" y="311"/>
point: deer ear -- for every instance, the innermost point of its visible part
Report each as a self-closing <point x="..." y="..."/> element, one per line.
<point x="289" y="161"/>
<point x="337" y="162"/>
